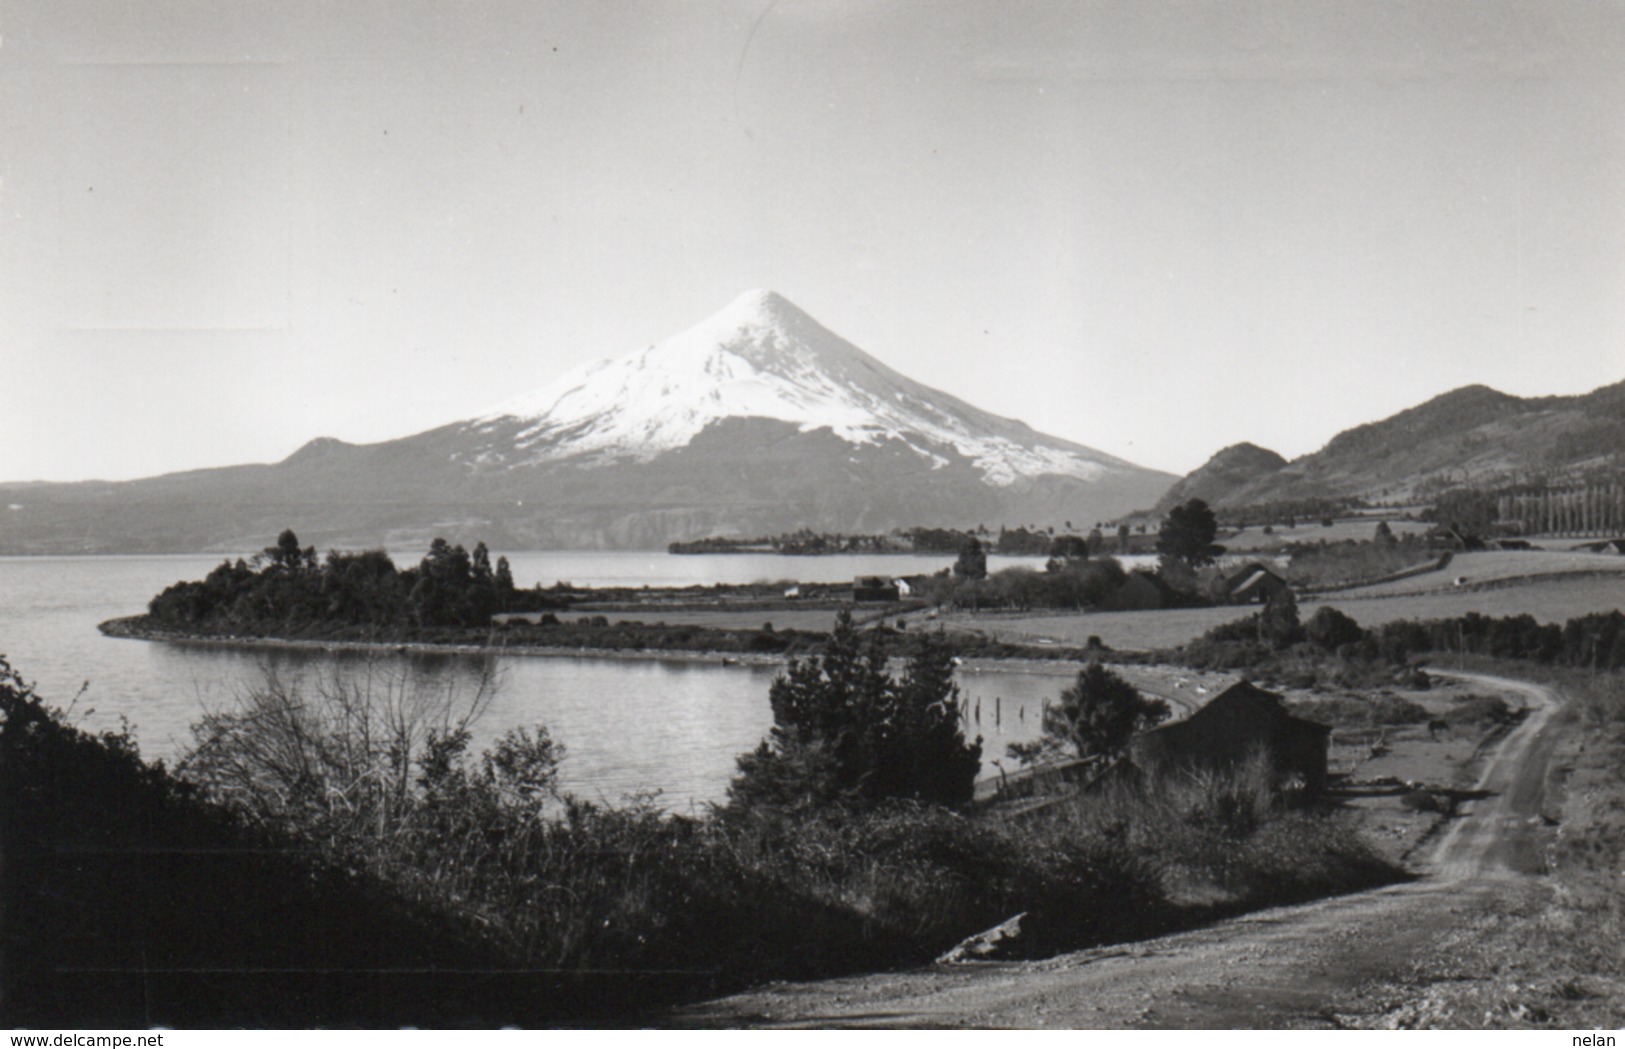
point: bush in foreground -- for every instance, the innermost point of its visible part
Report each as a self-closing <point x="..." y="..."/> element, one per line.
<point x="216" y="904"/>
<point x="845" y="732"/>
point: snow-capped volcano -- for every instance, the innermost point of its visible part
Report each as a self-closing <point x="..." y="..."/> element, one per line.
<point x="757" y="421"/>
<point x="760" y="357"/>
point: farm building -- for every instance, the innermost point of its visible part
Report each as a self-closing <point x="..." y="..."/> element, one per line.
<point x="1255" y="583"/>
<point x="1237" y="723"/>
<point x="869" y="589"/>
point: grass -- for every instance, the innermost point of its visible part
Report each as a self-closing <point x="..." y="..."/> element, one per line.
<point x="1131" y="631"/>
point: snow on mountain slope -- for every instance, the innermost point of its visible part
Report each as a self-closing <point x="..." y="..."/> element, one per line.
<point x="762" y="357"/>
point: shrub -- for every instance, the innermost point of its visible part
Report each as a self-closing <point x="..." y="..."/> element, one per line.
<point x="1474" y="709"/>
<point x="1095" y="718"/>
<point x="1331" y="629"/>
<point x="1362" y="711"/>
<point x="1428" y="801"/>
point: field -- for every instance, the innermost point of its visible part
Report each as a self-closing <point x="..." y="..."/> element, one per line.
<point x="1550" y="585"/>
<point x="1552" y="599"/>
<point x="1478" y="569"/>
<point x="1253" y="539"/>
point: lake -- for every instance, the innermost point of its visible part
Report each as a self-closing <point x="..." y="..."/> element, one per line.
<point x="628" y="726"/>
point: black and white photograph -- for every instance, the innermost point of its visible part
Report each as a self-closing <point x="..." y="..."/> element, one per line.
<point x="812" y="514"/>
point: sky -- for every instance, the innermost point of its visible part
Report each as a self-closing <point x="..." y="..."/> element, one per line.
<point x="1154" y="228"/>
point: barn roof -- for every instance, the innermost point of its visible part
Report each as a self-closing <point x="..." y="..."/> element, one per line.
<point x="1244" y="702"/>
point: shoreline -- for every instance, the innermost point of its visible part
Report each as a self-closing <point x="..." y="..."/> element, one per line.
<point x="117" y="628"/>
<point x="122" y="628"/>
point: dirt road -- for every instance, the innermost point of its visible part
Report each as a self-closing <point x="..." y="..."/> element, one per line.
<point x="1286" y="967"/>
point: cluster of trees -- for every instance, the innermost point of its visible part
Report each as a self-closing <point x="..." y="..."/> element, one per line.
<point x="1073" y="576"/>
<point x="1030" y="541"/>
<point x="1594" y="642"/>
<point x="287" y="587"/>
<point x="1590" y="642"/>
<point x="1066" y="583"/>
<point x="1010" y="542"/>
<point x="1288" y="512"/>
<point x="1467" y="510"/>
<point x="1023" y="542"/>
<point x="1277" y="627"/>
<point x="802" y="542"/>
<point x="846" y="732"/>
<point x="1593" y="509"/>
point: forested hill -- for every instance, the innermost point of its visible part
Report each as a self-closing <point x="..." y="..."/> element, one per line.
<point x="1473" y="436"/>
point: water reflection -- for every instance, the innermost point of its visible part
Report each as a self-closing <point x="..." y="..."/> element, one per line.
<point x="628" y="726"/>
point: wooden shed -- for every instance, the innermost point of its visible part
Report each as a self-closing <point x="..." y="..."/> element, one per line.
<point x="1255" y="583"/>
<point x="1239" y="722"/>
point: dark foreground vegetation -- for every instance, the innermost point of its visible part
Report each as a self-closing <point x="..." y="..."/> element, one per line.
<point x="334" y="854"/>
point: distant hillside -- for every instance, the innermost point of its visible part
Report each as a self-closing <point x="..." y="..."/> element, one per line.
<point x="1230" y="469"/>
<point x="1474" y="435"/>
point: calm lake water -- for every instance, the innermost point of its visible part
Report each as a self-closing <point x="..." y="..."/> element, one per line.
<point x="629" y="726"/>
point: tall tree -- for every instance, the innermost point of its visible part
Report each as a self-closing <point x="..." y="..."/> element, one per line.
<point x="1278" y="624"/>
<point x="287" y="554"/>
<point x="1187" y="533"/>
<point x="921" y="751"/>
<point x="972" y="562"/>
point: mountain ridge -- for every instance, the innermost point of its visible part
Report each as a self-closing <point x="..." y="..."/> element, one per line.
<point x="1472" y="435"/>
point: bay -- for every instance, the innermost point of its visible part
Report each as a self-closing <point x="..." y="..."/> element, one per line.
<point x="670" y="727"/>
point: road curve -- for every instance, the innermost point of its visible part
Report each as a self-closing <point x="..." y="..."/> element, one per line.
<point x="1499" y="837"/>
<point x="1283" y="967"/>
